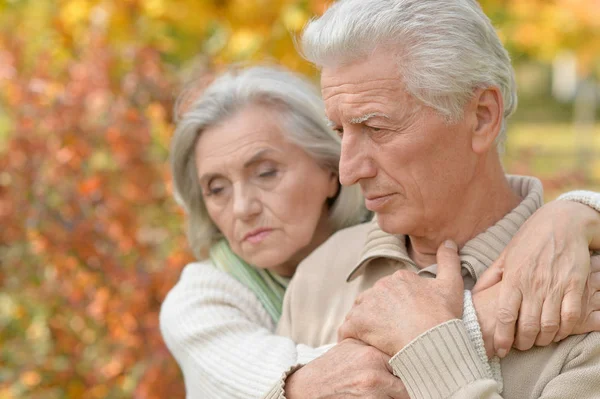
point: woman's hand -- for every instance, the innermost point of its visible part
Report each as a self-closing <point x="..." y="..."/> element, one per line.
<point x="485" y="300"/>
<point x="544" y="291"/>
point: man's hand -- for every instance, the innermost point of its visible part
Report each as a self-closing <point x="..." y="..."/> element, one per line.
<point x="400" y="307"/>
<point x="486" y="293"/>
<point x="351" y="369"/>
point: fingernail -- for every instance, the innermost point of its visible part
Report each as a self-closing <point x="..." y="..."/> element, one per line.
<point x="501" y="353"/>
<point x="451" y="244"/>
<point x="557" y="339"/>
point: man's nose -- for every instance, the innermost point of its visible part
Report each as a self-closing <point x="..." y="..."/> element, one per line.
<point x="355" y="160"/>
<point x="246" y="202"/>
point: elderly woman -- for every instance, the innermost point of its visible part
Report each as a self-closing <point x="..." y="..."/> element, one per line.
<point x="255" y="167"/>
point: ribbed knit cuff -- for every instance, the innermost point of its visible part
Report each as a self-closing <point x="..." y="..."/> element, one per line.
<point x="476" y="336"/>
<point x="278" y="390"/>
<point x="588" y="198"/>
<point x="472" y="326"/>
<point x="439" y="362"/>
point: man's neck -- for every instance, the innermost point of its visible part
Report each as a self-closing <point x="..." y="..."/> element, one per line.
<point x="488" y="200"/>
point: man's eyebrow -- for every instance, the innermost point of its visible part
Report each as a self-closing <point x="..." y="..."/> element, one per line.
<point x="366" y="117"/>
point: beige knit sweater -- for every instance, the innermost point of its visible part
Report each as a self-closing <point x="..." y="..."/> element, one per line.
<point x="224" y="340"/>
<point x="442" y="362"/>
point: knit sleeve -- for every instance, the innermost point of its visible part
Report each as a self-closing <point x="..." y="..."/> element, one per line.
<point x="578" y="378"/>
<point x="222" y="337"/>
<point x="443" y="363"/>
<point x="588" y="198"/>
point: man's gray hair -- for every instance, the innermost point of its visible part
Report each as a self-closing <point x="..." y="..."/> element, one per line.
<point x="445" y="48"/>
<point x="301" y="110"/>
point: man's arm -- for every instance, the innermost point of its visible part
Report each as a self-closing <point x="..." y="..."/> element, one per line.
<point x="434" y="355"/>
<point x="442" y="363"/>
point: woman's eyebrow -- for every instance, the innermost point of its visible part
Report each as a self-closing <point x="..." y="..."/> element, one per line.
<point x="258" y="156"/>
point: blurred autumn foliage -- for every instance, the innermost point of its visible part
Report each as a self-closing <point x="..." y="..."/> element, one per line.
<point x="91" y="240"/>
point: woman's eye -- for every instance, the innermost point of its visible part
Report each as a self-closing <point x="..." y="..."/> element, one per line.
<point x="215" y="190"/>
<point x="215" y="187"/>
<point x="268" y="173"/>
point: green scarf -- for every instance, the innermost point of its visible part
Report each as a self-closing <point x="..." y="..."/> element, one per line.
<point x="267" y="286"/>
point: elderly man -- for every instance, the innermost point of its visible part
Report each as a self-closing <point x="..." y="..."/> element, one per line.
<point x="420" y="92"/>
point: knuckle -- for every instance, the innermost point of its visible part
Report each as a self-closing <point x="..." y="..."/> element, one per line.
<point x="523" y="345"/>
<point x="382" y="283"/>
<point x="529" y="329"/>
<point x="571" y="315"/>
<point x="370" y="380"/>
<point x="366" y="354"/>
<point x="506" y="316"/>
<point x="402" y="275"/>
<point x="577" y="282"/>
<point x="549" y="326"/>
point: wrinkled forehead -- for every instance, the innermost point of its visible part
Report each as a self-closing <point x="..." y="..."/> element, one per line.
<point x="236" y="140"/>
<point x="364" y="88"/>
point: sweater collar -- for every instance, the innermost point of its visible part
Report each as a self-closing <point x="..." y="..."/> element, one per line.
<point x="478" y="253"/>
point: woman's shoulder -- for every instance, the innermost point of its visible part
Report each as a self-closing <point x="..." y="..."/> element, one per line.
<point x="203" y="288"/>
<point x="204" y="303"/>
<point x="203" y="274"/>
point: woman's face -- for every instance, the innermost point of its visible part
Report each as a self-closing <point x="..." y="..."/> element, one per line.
<point x="265" y="194"/>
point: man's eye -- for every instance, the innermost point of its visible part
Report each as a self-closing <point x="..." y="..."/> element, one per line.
<point x="339" y="131"/>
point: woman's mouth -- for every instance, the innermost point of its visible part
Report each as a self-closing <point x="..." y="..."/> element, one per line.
<point x="258" y="235"/>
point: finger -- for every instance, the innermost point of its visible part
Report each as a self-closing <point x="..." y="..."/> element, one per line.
<point x="570" y="313"/>
<point x="396" y="389"/>
<point x="528" y="323"/>
<point x="344" y="332"/>
<point x="595" y="281"/>
<point x="592" y="323"/>
<point x="448" y="262"/>
<point x="595" y="301"/>
<point x="595" y="263"/>
<point x="491" y="277"/>
<point x="550" y="320"/>
<point x="509" y="304"/>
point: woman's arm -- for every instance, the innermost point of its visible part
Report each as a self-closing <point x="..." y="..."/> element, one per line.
<point x="222" y="337"/>
<point x="544" y="271"/>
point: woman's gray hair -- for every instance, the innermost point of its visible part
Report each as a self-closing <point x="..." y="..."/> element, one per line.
<point x="302" y="115"/>
<point x="445" y="48"/>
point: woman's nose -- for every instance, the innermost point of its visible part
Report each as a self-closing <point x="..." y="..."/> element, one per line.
<point x="246" y="202"/>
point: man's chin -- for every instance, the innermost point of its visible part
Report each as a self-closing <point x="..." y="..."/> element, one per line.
<point x="391" y="224"/>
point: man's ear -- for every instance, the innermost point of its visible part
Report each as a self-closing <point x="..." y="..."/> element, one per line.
<point x="487" y="107"/>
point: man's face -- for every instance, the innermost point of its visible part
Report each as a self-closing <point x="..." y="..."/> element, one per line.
<point x="413" y="168"/>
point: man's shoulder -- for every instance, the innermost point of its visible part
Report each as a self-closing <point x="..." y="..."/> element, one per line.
<point x="341" y="251"/>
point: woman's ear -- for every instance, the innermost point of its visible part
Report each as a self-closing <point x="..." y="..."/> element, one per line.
<point x="334" y="185"/>
<point x="488" y="108"/>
